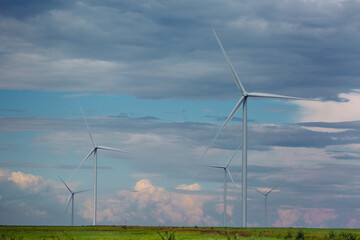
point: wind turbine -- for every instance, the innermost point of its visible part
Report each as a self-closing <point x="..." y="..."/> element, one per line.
<point x="265" y="209"/>
<point x="72" y="201"/>
<point x="226" y="173"/>
<point x="203" y="210"/>
<point x="94" y="152"/>
<point x="243" y="101"/>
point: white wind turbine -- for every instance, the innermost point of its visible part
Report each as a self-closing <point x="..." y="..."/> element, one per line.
<point x="72" y="201"/>
<point x="243" y="101"/>
<point x="265" y="208"/>
<point x="94" y="151"/>
<point x="226" y="173"/>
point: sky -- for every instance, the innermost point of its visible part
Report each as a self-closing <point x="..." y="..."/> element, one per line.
<point x="152" y="81"/>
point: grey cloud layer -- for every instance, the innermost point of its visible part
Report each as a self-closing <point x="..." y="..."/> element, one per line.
<point x="188" y="138"/>
<point x="166" y="49"/>
<point x="198" y="133"/>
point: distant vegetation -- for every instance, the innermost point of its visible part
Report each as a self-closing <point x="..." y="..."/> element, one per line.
<point x="172" y="233"/>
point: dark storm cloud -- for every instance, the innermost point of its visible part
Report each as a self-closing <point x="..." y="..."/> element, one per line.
<point x="165" y="49"/>
<point x="24" y="9"/>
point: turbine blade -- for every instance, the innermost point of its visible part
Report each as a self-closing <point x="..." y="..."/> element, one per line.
<point x="87" y="126"/>
<point x="237" y="80"/>
<point x="112" y="149"/>
<point x="233" y="155"/>
<point x="260" y="192"/>
<point x="216" y="166"/>
<point x="273" y="188"/>
<point x="87" y="157"/>
<point x="83" y="191"/>
<point x="68" y="204"/>
<point x="65" y="184"/>
<point x="270" y="95"/>
<point x="231" y="178"/>
<point x="237" y="106"/>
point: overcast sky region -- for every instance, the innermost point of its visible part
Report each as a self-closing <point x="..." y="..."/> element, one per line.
<point x="153" y="81"/>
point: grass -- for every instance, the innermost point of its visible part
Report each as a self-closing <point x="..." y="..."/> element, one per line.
<point x="172" y="233"/>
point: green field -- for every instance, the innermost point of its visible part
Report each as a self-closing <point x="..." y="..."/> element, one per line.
<point x="134" y="232"/>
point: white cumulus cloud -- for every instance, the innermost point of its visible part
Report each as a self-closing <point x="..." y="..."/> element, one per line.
<point x="331" y="111"/>
<point x="28" y="181"/>
<point x="150" y="203"/>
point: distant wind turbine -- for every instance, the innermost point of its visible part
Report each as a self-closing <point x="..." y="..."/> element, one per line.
<point x="71" y="200"/>
<point x="94" y="152"/>
<point x="203" y="210"/>
<point x="265" y="208"/>
<point x="226" y="173"/>
<point x="243" y="101"/>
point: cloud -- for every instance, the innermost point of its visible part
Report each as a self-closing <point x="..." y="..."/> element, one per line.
<point x="297" y="216"/>
<point x="191" y="187"/>
<point x="229" y="209"/>
<point x="287" y="217"/>
<point x="223" y="118"/>
<point x="353" y="223"/>
<point x="318" y="217"/>
<point x="151" y="204"/>
<point x="327" y="130"/>
<point x="48" y="166"/>
<point x="11" y="110"/>
<point x="4" y="174"/>
<point x="157" y="133"/>
<point x="265" y="190"/>
<point x="31" y="199"/>
<point x="272" y="109"/>
<point x="331" y="111"/>
<point x="31" y="212"/>
<point x="160" y="140"/>
<point x="145" y="175"/>
<point x="28" y="181"/>
<point x="62" y="46"/>
<point x="76" y="95"/>
<point x="166" y="50"/>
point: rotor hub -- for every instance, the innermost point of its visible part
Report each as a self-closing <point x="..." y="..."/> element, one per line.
<point x="245" y="94"/>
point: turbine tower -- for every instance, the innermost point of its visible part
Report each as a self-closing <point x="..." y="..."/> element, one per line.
<point x="93" y="151"/>
<point x="72" y="201"/>
<point x="265" y="208"/>
<point x="226" y="173"/>
<point x="243" y="101"/>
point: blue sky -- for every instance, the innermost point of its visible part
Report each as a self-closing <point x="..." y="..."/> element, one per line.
<point x="152" y="80"/>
